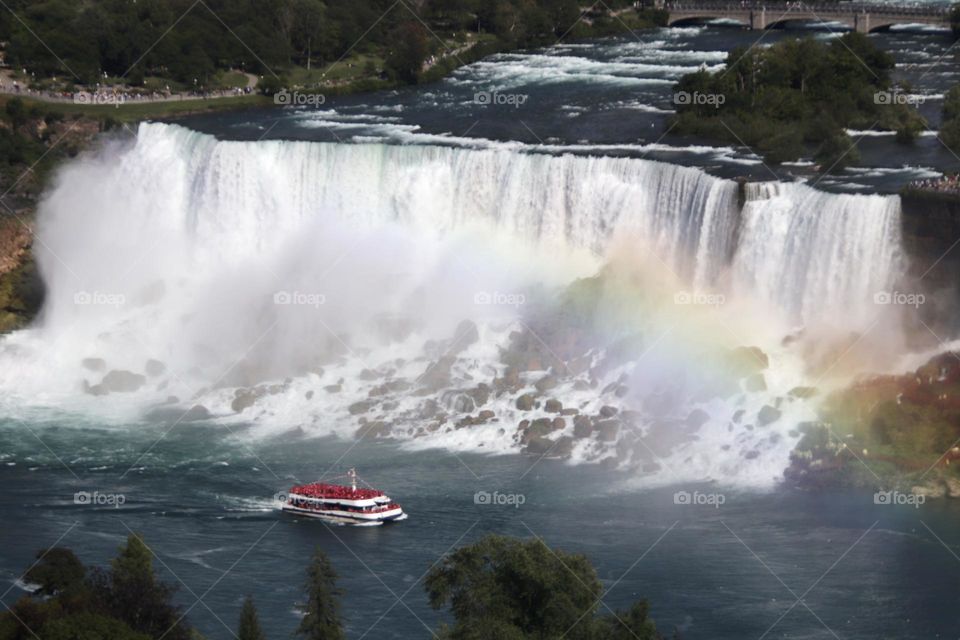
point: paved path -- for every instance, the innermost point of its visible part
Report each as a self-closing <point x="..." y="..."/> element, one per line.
<point x="10" y="86"/>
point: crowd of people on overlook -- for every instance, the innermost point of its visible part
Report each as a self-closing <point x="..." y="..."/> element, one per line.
<point x="948" y="183"/>
<point x="106" y="94"/>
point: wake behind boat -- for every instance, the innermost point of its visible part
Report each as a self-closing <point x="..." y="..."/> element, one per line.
<point x="343" y="504"/>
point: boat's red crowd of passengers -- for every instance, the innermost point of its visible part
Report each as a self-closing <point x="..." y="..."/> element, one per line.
<point x="321" y="490"/>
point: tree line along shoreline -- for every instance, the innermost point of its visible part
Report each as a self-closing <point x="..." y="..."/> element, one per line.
<point x="497" y="587"/>
<point x="310" y="44"/>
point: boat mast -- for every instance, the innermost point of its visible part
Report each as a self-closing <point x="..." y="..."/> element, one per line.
<point x="353" y="479"/>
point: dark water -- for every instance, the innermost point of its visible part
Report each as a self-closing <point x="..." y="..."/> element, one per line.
<point x="612" y="97"/>
<point x="202" y="496"/>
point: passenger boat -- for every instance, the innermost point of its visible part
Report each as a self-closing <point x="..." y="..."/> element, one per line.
<point x="343" y="504"/>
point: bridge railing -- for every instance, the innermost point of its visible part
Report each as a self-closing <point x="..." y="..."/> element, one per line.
<point x="801" y="7"/>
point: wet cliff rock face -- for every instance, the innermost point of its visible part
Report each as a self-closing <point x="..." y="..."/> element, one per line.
<point x="45" y="140"/>
<point x="21" y="289"/>
<point x="888" y="430"/>
<point x="931" y="240"/>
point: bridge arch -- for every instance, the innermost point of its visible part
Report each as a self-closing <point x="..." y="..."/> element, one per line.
<point x="839" y="23"/>
<point x="705" y="19"/>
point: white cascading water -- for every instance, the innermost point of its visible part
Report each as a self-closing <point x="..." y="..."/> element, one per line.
<point x="818" y="257"/>
<point x="176" y="247"/>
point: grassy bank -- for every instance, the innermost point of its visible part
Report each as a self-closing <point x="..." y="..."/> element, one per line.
<point x="137" y="111"/>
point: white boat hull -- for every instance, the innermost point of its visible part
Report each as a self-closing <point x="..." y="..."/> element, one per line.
<point x="349" y="518"/>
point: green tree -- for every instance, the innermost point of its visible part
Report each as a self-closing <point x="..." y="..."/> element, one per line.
<point x="89" y="626"/>
<point x="632" y="624"/>
<point x="321" y="620"/>
<point x="57" y="570"/>
<point x="249" y="623"/>
<point x="16" y="112"/>
<point x="837" y="153"/>
<point x="507" y="588"/>
<point x="796" y="92"/>
<point x="132" y="593"/>
<point x="950" y="134"/>
<point x="951" y="104"/>
<point x="410" y="51"/>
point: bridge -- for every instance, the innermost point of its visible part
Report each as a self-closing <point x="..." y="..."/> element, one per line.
<point x="755" y="15"/>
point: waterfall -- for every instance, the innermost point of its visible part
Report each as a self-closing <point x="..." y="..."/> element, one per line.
<point x="194" y="270"/>
<point x="818" y="256"/>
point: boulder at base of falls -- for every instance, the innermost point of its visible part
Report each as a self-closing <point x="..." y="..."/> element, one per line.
<point x="391" y="386"/>
<point x="563" y="447"/>
<point x="510" y="380"/>
<point x="543" y="446"/>
<point x="155" y="368"/>
<point x="538" y="445"/>
<point x="463" y="403"/>
<point x="361" y="407"/>
<point x="196" y="412"/>
<point x="768" y="415"/>
<point x="803" y="393"/>
<point x="244" y="398"/>
<point x="745" y="361"/>
<point x="437" y="375"/>
<point x="697" y="418"/>
<point x="756" y="382"/>
<point x="96" y="389"/>
<point x="121" y="381"/>
<point x="483" y="417"/>
<point x="94" y="364"/>
<point x="176" y="415"/>
<point x="608" y="430"/>
<point x="582" y="427"/>
<point x="480" y="393"/>
<point x="539" y="427"/>
<point x="546" y="383"/>
<point x="375" y="429"/>
<point x="607" y="411"/>
<point x="428" y="409"/>
<point x="525" y="402"/>
<point x="464" y="335"/>
<point x="553" y="406"/>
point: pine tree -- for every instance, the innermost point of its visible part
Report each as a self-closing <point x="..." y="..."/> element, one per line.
<point x="322" y="610"/>
<point x="132" y="593"/>
<point x="249" y="623"/>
